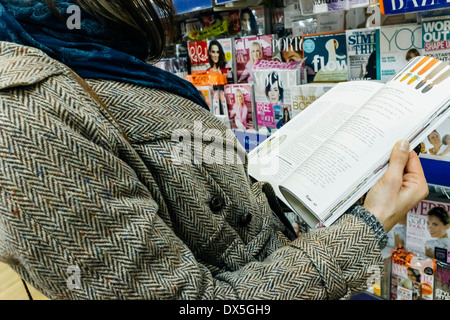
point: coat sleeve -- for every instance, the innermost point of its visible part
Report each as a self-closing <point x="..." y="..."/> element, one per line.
<point x="325" y="263"/>
<point x="77" y="222"/>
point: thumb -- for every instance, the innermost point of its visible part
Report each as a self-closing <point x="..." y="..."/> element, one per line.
<point x="398" y="160"/>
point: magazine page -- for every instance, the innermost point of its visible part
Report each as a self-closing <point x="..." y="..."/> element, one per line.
<point x="278" y="156"/>
<point x="360" y="148"/>
<point x="435" y="155"/>
<point x="437" y="144"/>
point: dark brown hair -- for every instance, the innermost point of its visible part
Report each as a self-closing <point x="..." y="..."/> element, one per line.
<point x="150" y="18"/>
<point x="441" y="214"/>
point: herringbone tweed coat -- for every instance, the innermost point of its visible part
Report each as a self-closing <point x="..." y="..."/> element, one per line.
<point x="93" y="207"/>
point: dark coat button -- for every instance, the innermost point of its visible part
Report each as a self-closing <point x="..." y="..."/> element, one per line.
<point x="245" y="218"/>
<point x="216" y="204"/>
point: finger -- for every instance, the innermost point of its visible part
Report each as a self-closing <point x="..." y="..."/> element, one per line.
<point x="415" y="177"/>
<point x="398" y="160"/>
<point x="414" y="165"/>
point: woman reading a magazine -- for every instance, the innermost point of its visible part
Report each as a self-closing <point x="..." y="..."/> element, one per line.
<point x="90" y="183"/>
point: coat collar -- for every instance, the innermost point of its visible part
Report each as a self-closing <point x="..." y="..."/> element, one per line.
<point x="23" y="66"/>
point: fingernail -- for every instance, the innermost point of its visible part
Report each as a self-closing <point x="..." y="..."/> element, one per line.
<point x="402" y="145"/>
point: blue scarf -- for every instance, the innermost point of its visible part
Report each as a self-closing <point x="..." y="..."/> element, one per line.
<point x="95" y="51"/>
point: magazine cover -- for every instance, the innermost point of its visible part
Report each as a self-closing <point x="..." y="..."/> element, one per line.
<point x="199" y="57"/>
<point x="389" y="7"/>
<point x="208" y="94"/>
<point x="287" y="49"/>
<point x="326" y="57"/>
<point x="249" y="139"/>
<point x="240" y="101"/>
<point x="358" y="4"/>
<point x="307" y="7"/>
<point x="304" y="26"/>
<point x="362" y="51"/>
<point x="253" y="20"/>
<point x="262" y="14"/>
<point x="412" y="276"/>
<point x="273" y="81"/>
<point x="303" y="95"/>
<point x="234" y="23"/>
<point x="436" y="37"/>
<point x="442" y="289"/>
<point x="398" y="44"/>
<point x="279" y="21"/>
<point x="250" y="50"/>
<point x="292" y="13"/>
<point x="178" y="66"/>
<point x="397" y="235"/>
<point x="220" y="58"/>
<point x="427" y="230"/>
<point x="332" y="21"/>
<point x="435" y="150"/>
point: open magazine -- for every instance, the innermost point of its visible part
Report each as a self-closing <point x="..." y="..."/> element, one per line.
<point x="323" y="160"/>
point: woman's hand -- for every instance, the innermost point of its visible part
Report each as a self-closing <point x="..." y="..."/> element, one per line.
<point x="399" y="189"/>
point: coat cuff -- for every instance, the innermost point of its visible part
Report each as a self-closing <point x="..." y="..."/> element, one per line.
<point x="373" y="223"/>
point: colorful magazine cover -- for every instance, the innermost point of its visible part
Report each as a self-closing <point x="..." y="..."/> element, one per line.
<point x="398" y="44"/>
<point x="250" y="50"/>
<point x="428" y="226"/>
<point x="208" y="94"/>
<point x="220" y="58"/>
<point x="412" y="276"/>
<point x="240" y="101"/>
<point x="326" y="57"/>
<point x="253" y="20"/>
<point x="389" y="7"/>
<point x="436" y="37"/>
<point x="273" y="80"/>
<point x="199" y="57"/>
<point x="287" y="49"/>
<point x="362" y="51"/>
<point x="442" y="289"/>
<point x="249" y="139"/>
<point x="435" y="150"/>
<point x="303" y="95"/>
<point x="437" y="145"/>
